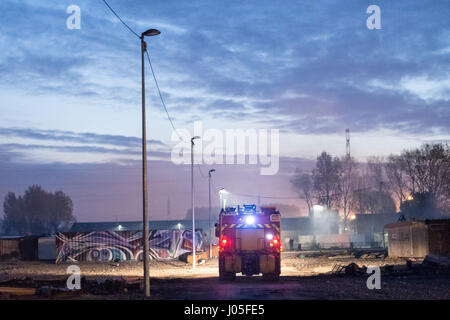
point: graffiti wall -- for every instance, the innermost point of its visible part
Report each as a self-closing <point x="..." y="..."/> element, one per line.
<point x="123" y="245"/>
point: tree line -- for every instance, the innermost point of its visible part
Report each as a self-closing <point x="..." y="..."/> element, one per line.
<point x="416" y="181"/>
<point x="37" y="212"/>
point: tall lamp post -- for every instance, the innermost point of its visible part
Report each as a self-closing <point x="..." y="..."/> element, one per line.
<point x="148" y="33"/>
<point x="209" y="224"/>
<point x="193" y="204"/>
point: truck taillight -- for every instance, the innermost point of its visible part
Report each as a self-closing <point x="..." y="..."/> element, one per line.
<point x="223" y="243"/>
<point x="275" y="243"/>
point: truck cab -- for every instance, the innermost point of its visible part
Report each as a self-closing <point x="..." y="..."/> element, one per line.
<point x="249" y="242"/>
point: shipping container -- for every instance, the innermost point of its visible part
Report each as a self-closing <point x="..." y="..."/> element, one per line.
<point x="9" y="247"/>
<point x="419" y="238"/>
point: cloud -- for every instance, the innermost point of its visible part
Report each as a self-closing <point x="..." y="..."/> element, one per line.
<point x="69" y="136"/>
<point x="304" y="68"/>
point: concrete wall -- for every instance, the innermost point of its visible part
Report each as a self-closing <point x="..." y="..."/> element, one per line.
<point x="123" y="245"/>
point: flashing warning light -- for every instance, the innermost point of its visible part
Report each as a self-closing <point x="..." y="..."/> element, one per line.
<point x="275" y="241"/>
<point x="249" y="220"/>
<point x="271" y="244"/>
<point x="224" y="241"/>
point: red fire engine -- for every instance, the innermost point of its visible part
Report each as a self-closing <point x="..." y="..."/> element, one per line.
<point x="249" y="242"/>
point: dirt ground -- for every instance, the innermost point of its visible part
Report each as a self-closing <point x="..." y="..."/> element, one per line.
<point x="304" y="276"/>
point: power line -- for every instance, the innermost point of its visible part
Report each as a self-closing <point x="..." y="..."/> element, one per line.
<point x="161" y="98"/>
<point x="201" y="172"/>
<point x="151" y="67"/>
<point x="128" y="27"/>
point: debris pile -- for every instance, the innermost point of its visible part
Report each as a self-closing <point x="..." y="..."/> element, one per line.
<point x="350" y="269"/>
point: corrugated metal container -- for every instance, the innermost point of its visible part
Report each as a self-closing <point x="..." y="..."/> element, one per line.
<point x="29" y="248"/>
<point x="419" y="238"/>
<point x="439" y="237"/>
<point x="47" y="248"/>
<point x="10" y="246"/>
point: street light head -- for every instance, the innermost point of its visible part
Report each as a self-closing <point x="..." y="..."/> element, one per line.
<point x="193" y="138"/>
<point x="150" y="33"/>
<point x="212" y="170"/>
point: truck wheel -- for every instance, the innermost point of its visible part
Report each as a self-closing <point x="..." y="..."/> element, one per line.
<point x="271" y="276"/>
<point x="223" y="275"/>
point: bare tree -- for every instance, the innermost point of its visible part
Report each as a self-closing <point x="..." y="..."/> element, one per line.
<point x="423" y="173"/>
<point x="303" y="182"/>
<point x="396" y="177"/>
<point x="326" y="178"/>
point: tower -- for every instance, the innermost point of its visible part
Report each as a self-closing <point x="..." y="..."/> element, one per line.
<point x="347" y="140"/>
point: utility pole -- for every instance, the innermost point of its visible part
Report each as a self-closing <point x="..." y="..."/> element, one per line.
<point x="193" y="204"/>
<point x="209" y="224"/>
<point x="146" y="258"/>
<point x="347" y="140"/>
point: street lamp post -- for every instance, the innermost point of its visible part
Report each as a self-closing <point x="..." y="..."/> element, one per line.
<point x="148" y="33"/>
<point x="193" y="204"/>
<point x="209" y="224"/>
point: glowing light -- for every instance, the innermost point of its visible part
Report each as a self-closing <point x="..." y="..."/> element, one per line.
<point x="269" y="236"/>
<point x="250" y="220"/>
<point x="410" y="197"/>
<point x="275" y="241"/>
<point x="318" y="208"/>
<point x="352" y="217"/>
<point x="224" y="241"/>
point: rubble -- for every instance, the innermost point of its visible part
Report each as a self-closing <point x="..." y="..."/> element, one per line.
<point x="350" y="269"/>
<point x="432" y="260"/>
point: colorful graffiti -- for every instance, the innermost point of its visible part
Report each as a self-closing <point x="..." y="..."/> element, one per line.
<point x="123" y="245"/>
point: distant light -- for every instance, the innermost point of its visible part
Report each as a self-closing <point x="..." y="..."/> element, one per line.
<point x="249" y="220"/>
<point x="352" y="217"/>
<point x="318" y="208"/>
<point x="410" y="197"/>
<point x="269" y="236"/>
<point x="119" y="227"/>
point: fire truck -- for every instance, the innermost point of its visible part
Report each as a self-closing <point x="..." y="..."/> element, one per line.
<point x="249" y="242"/>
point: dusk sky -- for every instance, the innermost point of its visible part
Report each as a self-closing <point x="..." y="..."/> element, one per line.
<point x="70" y="100"/>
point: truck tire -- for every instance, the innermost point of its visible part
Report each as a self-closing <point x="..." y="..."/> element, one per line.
<point x="223" y="275"/>
<point x="271" y="277"/>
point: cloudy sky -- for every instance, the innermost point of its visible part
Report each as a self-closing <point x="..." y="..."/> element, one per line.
<point x="70" y="99"/>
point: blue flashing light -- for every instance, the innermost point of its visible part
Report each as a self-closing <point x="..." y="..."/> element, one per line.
<point x="250" y="220"/>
